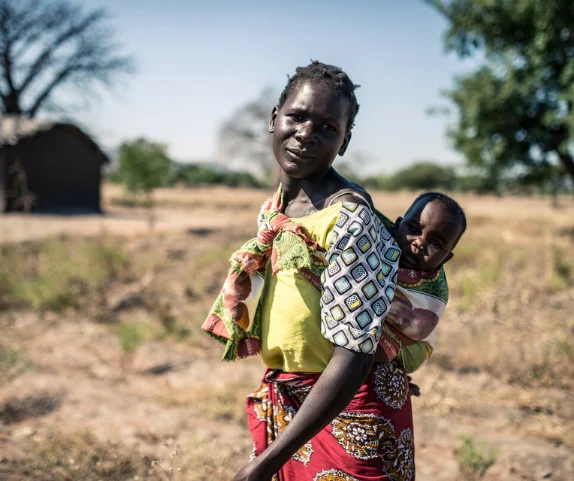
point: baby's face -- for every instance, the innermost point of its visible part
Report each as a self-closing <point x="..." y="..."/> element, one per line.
<point x="426" y="235"/>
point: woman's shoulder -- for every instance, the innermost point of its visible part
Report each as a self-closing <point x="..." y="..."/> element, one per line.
<point x="351" y="192"/>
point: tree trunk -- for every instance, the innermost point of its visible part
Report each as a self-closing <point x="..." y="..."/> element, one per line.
<point x="150" y="213"/>
<point x="568" y="163"/>
<point x="12" y="104"/>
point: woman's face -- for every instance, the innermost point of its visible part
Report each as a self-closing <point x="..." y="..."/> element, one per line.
<point x="310" y="130"/>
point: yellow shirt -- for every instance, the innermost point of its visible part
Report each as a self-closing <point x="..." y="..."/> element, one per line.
<point x="290" y="311"/>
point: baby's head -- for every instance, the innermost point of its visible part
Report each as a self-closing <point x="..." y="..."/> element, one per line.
<point x="429" y="231"/>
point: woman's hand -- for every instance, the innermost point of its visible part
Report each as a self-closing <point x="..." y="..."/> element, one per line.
<point x="332" y="392"/>
<point x="254" y="471"/>
<point x="414" y="389"/>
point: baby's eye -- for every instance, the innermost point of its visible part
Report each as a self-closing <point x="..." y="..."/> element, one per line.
<point x="296" y="117"/>
<point x="328" y="127"/>
<point x="436" y="244"/>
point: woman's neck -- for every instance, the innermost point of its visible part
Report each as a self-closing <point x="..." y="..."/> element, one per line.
<point x="300" y="196"/>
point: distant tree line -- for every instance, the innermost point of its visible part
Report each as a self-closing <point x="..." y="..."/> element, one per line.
<point x="144" y="165"/>
<point x="421" y="176"/>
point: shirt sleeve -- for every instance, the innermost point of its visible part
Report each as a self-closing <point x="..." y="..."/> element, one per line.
<point x="414" y="356"/>
<point x="359" y="281"/>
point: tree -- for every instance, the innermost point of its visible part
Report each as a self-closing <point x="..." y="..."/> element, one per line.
<point x="143" y="166"/>
<point x="46" y="45"/>
<point x="516" y="110"/>
<point x="353" y="164"/>
<point x="423" y="176"/>
<point x="243" y="141"/>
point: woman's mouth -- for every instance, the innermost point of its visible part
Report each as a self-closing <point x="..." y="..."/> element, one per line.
<point x="299" y="155"/>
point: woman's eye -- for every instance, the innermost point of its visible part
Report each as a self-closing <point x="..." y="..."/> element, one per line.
<point x="413" y="229"/>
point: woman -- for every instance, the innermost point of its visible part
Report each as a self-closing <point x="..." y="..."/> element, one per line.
<point x="329" y="269"/>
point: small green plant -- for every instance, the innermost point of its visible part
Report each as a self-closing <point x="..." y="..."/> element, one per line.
<point x="171" y="327"/>
<point x="474" y="459"/>
<point x="143" y="166"/>
<point x="474" y="282"/>
<point x="130" y="336"/>
<point x="12" y="362"/>
<point x="562" y="275"/>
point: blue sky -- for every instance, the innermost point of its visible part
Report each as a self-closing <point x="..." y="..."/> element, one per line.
<point x="199" y="61"/>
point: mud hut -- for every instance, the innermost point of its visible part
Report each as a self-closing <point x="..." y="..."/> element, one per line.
<point x="48" y="167"/>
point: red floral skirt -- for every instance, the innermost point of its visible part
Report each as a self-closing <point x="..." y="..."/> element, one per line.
<point x="372" y="439"/>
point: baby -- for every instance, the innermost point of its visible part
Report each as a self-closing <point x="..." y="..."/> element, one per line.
<point x="427" y="235"/>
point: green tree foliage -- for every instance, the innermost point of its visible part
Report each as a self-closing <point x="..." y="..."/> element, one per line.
<point x="516" y="110"/>
<point x="143" y="166"/>
<point x="422" y="175"/>
<point x="203" y="174"/>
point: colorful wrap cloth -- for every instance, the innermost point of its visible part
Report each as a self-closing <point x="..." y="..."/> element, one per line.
<point x="372" y="439"/>
<point x="234" y="318"/>
<point x="409" y="332"/>
<point x="409" y="328"/>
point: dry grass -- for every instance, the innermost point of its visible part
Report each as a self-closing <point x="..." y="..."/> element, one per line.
<point x="509" y="324"/>
<point x="216" y="401"/>
<point x="511" y="300"/>
<point x="59" y="273"/>
<point x="81" y="456"/>
<point x="512" y="278"/>
<point x="13" y="361"/>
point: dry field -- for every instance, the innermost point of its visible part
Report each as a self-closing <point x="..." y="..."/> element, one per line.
<point x="105" y="375"/>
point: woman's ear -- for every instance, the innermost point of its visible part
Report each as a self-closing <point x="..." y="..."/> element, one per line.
<point x="271" y="126"/>
<point x="345" y="144"/>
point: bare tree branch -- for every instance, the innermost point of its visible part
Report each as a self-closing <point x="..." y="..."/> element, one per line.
<point x="72" y="32"/>
<point x="45" y="45"/>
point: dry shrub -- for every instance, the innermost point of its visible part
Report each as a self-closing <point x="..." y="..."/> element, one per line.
<point x="13" y="362"/>
<point x="475" y="458"/>
<point x="80" y="456"/>
<point x="59" y="273"/>
<point x="75" y="457"/>
<point x="207" y="272"/>
<point x="223" y="401"/>
<point x="16" y="410"/>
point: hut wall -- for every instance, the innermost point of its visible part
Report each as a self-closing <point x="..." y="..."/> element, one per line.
<point x="63" y="171"/>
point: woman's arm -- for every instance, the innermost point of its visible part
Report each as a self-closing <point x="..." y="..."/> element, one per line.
<point x="332" y="392"/>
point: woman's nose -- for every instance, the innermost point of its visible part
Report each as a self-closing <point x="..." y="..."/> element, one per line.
<point x="305" y="132"/>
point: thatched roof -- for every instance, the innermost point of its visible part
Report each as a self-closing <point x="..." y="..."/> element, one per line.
<point x="15" y="129"/>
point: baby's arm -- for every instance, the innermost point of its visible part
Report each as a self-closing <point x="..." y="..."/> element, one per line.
<point x="414" y="323"/>
<point x="413" y="356"/>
